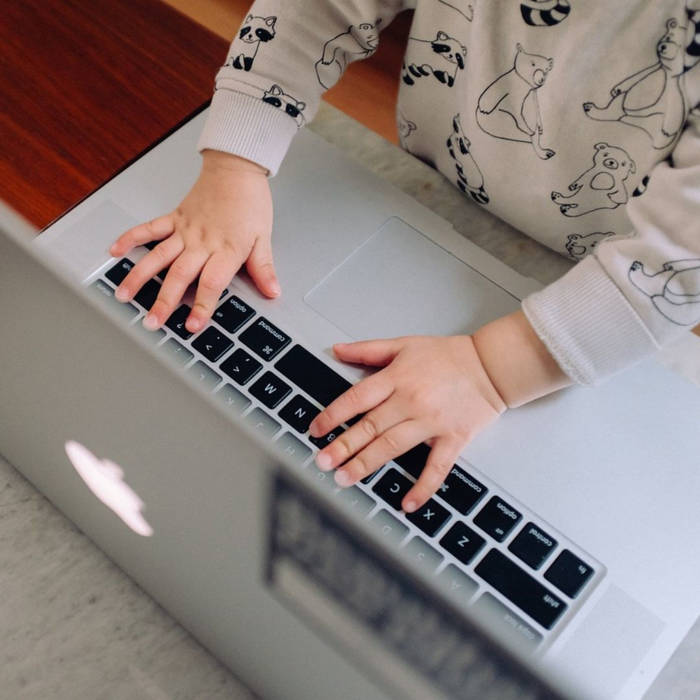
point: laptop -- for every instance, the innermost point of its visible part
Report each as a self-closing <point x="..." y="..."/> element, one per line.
<point x="556" y="560"/>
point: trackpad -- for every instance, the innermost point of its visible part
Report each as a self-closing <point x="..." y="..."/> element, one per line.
<point x="401" y="283"/>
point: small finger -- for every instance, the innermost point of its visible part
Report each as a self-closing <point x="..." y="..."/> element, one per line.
<point x="368" y="428"/>
<point x="216" y="275"/>
<point x="440" y="461"/>
<point x="395" y="441"/>
<point x="375" y="353"/>
<point x="359" y="398"/>
<point x="155" y="230"/>
<point x="151" y="264"/>
<point x="180" y="275"/>
<point x="261" y="268"/>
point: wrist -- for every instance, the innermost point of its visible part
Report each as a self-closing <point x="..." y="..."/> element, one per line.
<point x="517" y="361"/>
<point x="221" y="162"/>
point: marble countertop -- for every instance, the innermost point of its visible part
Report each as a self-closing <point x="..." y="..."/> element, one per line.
<point x="75" y="626"/>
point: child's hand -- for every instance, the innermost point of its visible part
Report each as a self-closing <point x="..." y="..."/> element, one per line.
<point x="441" y="390"/>
<point x="224" y="221"/>
<point x="431" y="389"/>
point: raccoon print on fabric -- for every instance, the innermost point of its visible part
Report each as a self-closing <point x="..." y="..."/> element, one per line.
<point x="602" y="186"/>
<point x="579" y="245"/>
<point x="356" y="43"/>
<point x="442" y="57"/>
<point x="544" y="13"/>
<point x="469" y="177"/>
<point x="464" y="9"/>
<point x="692" y="50"/>
<point x="255" y="31"/>
<point x="508" y="108"/>
<point x="674" y="290"/>
<point x="652" y="99"/>
<point x="276" y="97"/>
<point x="641" y="188"/>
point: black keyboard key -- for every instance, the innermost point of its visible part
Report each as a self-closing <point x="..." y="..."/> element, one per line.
<point x="270" y="390"/>
<point x="212" y="343"/>
<point x="520" y="588"/>
<point x="392" y="487"/>
<point x="233" y="399"/>
<point x="497" y="518"/>
<point x="299" y="413"/>
<point x="162" y="274"/>
<point x="311" y="375"/>
<point x="117" y="273"/>
<point x="261" y="422"/>
<point x="462" y="542"/>
<point x="176" y="322"/>
<point x="151" y="244"/>
<point x="264" y="339"/>
<point x="147" y="294"/>
<point x="414" y="460"/>
<point x="233" y="313"/>
<point x="240" y="366"/>
<point x="430" y="517"/>
<point x="568" y="573"/>
<point x="461" y="490"/>
<point x="202" y="373"/>
<point x="326" y="439"/>
<point x="533" y="545"/>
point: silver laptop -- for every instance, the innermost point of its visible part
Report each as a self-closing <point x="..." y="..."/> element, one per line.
<point x="558" y="557"/>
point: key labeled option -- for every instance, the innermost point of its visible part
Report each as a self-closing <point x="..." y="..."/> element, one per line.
<point x="497" y="518"/>
<point x="232" y="314"/>
<point x="264" y="339"/>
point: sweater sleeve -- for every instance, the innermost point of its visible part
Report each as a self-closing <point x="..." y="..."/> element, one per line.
<point x="633" y="295"/>
<point x="286" y="54"/>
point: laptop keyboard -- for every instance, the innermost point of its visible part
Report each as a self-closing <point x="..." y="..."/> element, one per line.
<point x="485" y="549"/>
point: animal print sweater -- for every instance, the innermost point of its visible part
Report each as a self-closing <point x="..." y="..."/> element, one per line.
<point x="576" y="121"/>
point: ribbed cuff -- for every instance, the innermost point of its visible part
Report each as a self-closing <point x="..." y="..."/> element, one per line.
<point x="247" y="127"/>
<point x="587" y="324"/>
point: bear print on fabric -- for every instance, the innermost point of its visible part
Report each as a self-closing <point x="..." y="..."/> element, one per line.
<point x="651" y="99"/>
<point x="276" y="97"/>
<point x="602" y="186"/>
<point x="508" y="108"/>
<point x="674" y="290"/>
<point x="544" y="13"/>
<point x="441" y="57"/>
<point x="469" y="177"/>
<point x="579" y="245"/>
<point x="357" y="43"/>
<point x="255" y="30"/>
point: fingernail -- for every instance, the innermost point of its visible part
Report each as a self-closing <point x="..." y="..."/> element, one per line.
<point x="323" y="461"/>
<point x="193" y="325"/>
<point x="121" y="294"/>
<point x="275" y="288"/>
<point x="410" y="506"/>
<point x="313" y="430"/>
<point x="343" y="479"/>
<point x="150" y="323"/>
<point x="113" y="249"/>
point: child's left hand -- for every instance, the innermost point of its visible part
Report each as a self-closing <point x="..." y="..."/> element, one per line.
<point x="440" y="390"/>
<point x="432" y="389"/>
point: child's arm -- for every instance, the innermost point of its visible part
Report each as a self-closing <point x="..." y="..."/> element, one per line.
<point x="270" y="86"/>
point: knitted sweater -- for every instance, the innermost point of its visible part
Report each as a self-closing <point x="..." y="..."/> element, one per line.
<point x="576" y="122"/>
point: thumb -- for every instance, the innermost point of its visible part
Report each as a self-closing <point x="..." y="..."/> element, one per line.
<point x="261" y="268"/>
<point x="375" y="353"/>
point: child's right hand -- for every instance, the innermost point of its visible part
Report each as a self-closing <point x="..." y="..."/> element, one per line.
<point x="224" y="221"/>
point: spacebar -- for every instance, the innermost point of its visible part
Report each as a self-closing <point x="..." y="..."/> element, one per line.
<point x="520" y="588"/>
<point x="319" y="381"/>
